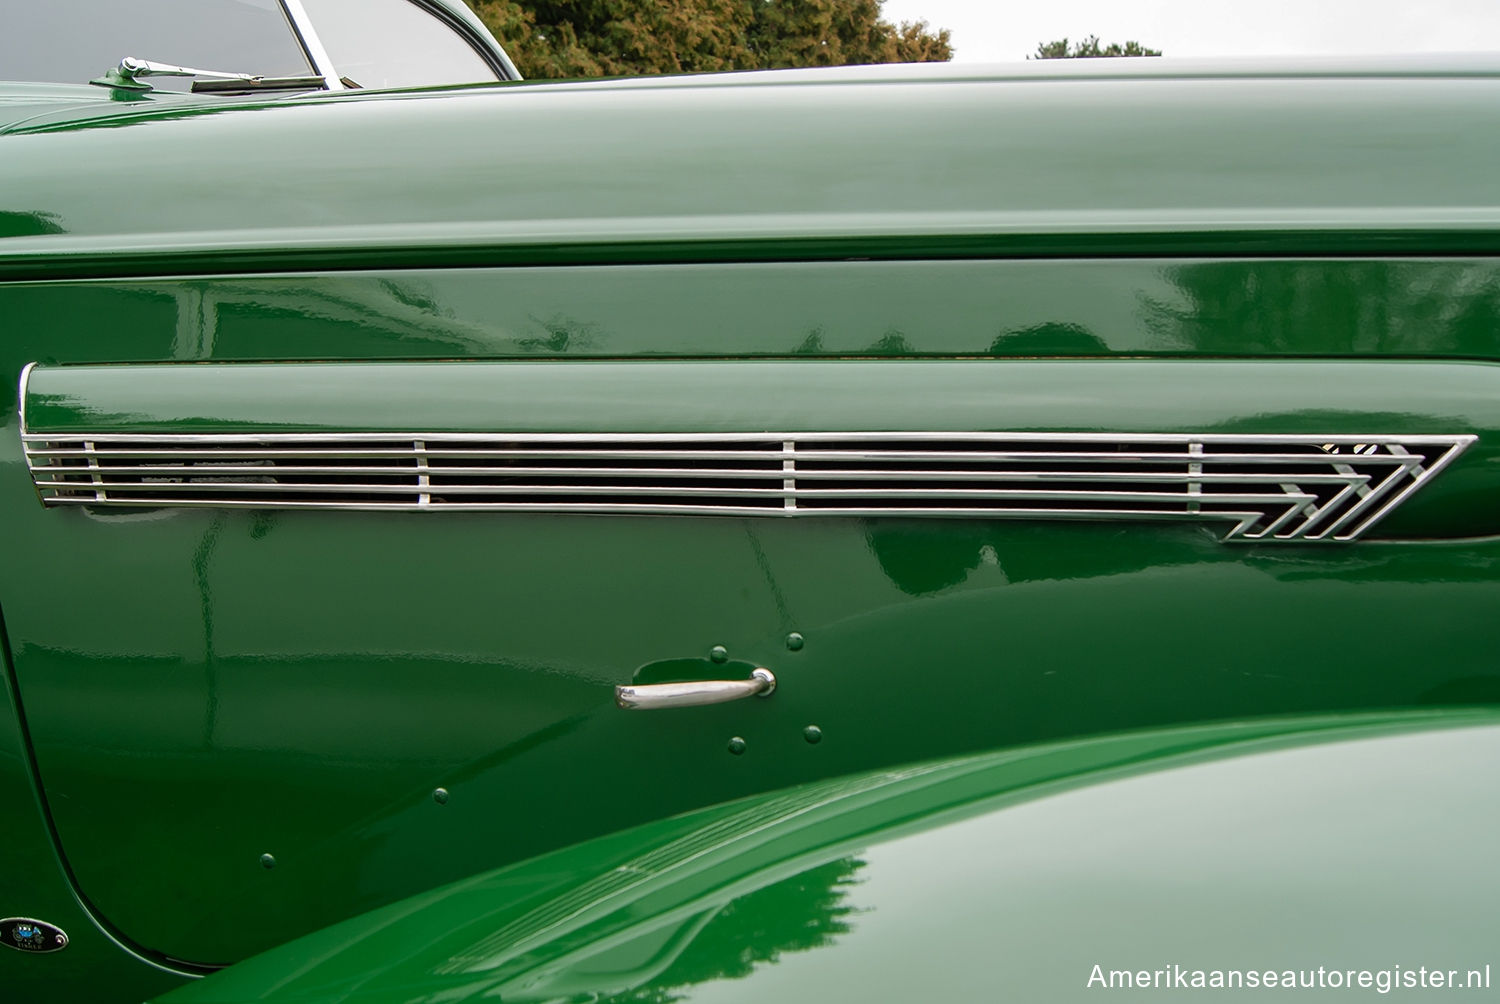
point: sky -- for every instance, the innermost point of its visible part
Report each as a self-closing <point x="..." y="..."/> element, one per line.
<point x="987" y="31"/>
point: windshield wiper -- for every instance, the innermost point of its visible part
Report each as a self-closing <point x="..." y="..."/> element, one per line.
<point x="127" y="77"/>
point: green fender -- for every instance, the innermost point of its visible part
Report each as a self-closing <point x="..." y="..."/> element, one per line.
<point x="1319" y="849"/>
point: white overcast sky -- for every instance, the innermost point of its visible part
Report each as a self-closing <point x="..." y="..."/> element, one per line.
<point x="987" y="31"/>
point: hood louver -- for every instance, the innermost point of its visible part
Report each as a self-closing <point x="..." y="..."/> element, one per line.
<point x="1281" y="488"/>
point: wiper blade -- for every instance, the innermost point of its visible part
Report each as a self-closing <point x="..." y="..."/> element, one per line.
<point x="127" y="77"/>
<point x="217" y="86"/>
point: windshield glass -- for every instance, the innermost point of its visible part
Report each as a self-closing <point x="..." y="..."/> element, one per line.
<point x="74" y="41"/>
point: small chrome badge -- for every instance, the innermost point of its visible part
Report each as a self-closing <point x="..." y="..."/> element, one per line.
<point x="27" y="935"/>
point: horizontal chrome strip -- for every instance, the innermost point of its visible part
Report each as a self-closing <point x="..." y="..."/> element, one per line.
<point x="688" y="491"/>
<point x="1274" y="487"/>
<point x="676" y="510"/>
<point x="843" y="456"/>
<point x="583" y="438"/>
<point x="217" y="471"/>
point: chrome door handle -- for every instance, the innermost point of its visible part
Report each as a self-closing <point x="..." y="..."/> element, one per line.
<point x="686" y="695"/>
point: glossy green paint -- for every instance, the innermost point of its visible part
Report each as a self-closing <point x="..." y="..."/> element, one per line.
<point x="1085" y="395"/>
<point x="35" y="878"/>
<point x="205" y="688"/>
<point x="869" y="162"/>
<point x="1297" y="307"/>
<point x="20" y="102"/>
<point x="219" y="687"/>
<point x="298" y="684"/>
<point x="1280" y="845"/>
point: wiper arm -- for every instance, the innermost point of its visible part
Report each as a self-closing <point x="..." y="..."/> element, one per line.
<point x="127" y="77"/>
<point x="212" y="86"/>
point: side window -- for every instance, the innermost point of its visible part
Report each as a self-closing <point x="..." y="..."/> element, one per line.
<point x="394" y="43"/>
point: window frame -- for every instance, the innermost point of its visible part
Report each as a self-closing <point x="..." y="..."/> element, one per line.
<point x="484" y="45"/>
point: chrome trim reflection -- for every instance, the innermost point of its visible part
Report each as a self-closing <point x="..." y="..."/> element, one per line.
<point x="21" y="393"/>
<point x="312" y="44"/>
<point x="1271" y="487"/>
<point x="646" y="697"/>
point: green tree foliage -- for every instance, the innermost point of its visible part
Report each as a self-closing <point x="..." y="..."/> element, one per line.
<point x="1089" y="48"/>
<point x="592" y="38"/>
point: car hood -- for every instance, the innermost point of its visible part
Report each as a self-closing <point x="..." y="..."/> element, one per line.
<point x="81" y="104"/>
<point x="22" y="104"/>
<point x="1350" y="843"/>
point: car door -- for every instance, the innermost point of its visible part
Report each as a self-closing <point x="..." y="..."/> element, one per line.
<point x="309" y="636"/>
<point x="333" y="534"/>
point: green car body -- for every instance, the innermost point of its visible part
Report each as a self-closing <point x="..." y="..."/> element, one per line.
<point x="1208" y="858"/>
<point x="267" y="694"/>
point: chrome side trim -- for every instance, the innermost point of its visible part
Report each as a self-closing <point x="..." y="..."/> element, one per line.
<point x="25" y="381"/>
<point x="1271" y="487"/>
